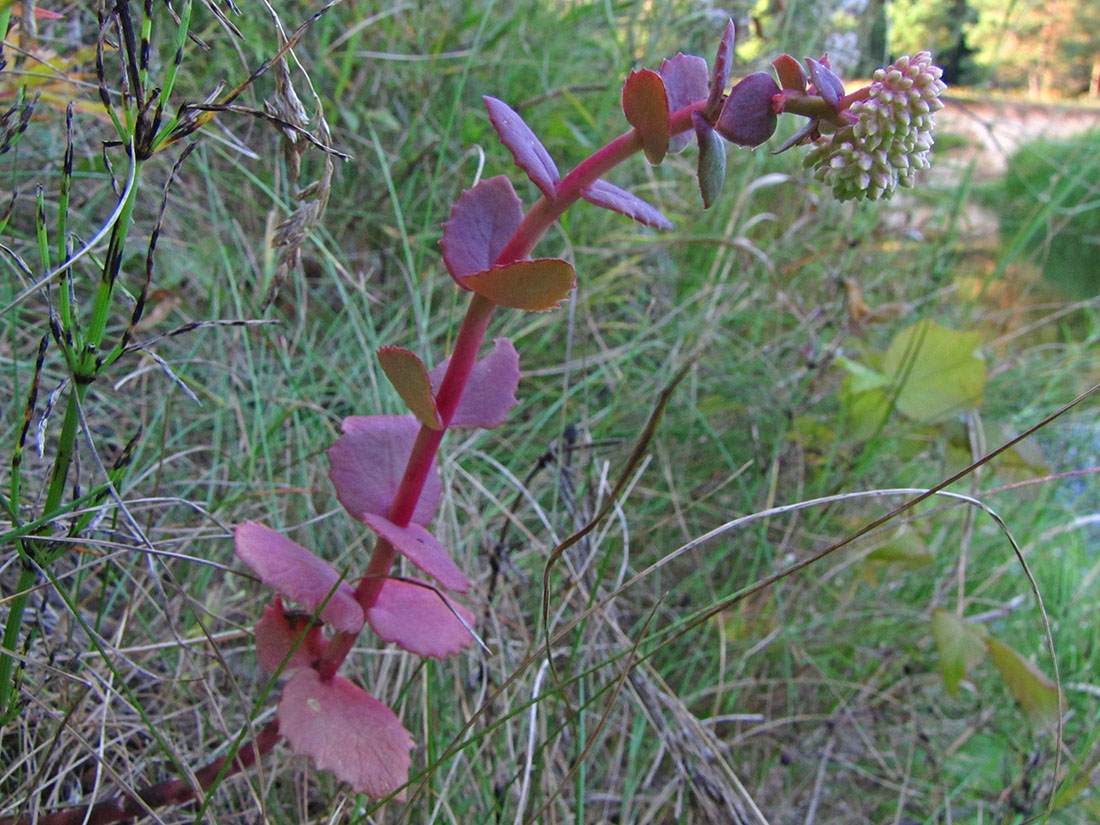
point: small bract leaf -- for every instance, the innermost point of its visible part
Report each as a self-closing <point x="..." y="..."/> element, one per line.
<point x="408" y="376"/>
<point x="298" y="574"/>
<point x="645" y="104"/>
<point x="748" y="118"/>
<point x="792" y="77"/>
<point x="527" y="150"/>
<point x="347" y="731"/>
<point x="532" y="285"/>
<point x="829" y="86"/>
<point x="1033" y="690"/>
<point x="490" y="391"/>
<point x="276" y="634"/>
<point x="939" y="370"/>
<point x="720" y="77"/>
<point x="712" y="161"/>
<point x="481" y="224"/>
<point x="961" y="645"/>
<point x="367" y="465"/>
<point x="416" y="618"/>
<point x="609" y="196"/>
<point x="685" y="78"/>
<point x="422" y="549"/>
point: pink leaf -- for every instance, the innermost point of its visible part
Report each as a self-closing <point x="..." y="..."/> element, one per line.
<point x="277" y="631"/>
<point x="792" y="77"/>
<point x="609" y="196"/>
<point x="527" y="150"/>
<point x="368" y="462"/>
<point x="748" y="118"/>
<point x="347" y="731"/>
<point x="416" y="618"/>
<point x="481" y="224"/>
<point x="422" y="549"/>
<point x="490" y="391"/>
<point x="723" y="62"/>
<point x="536" y="285"/>
<point x="298" y="574"/>
<point x="685" y="78"/>
<point x="645" y="104"/>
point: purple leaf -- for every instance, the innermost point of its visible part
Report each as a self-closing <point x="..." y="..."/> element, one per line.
<point x="368" y="462"/>
<point x="685" y="78"/>
<point x="723" y="62"/>
<point x="536" y="285"/>
<point x="298" y="574"/>
<point x="422" y="549"/>
<point x="712" y="161"/>
<point x="490" y="391"/>
<point x="527" y="150"/>
<point x="416" y="618"/>
<point x="645" y="104"/>
<point x="481" y="224"/>
<point x="347" y="731"/>
<point x="609" y="196"/>
<point x="828" y="85"/>
<point x="275" y="635"/>
<point x="748" y="118"/>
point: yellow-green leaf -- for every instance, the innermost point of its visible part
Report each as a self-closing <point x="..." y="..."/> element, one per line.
<point x="1033" y="690"/>
<point x="905" y="548"/>
<point x="533" y="285"/>
<point x="938" y="371"/>
<point x="961" y="645"/>
<point x="410" y="379"/>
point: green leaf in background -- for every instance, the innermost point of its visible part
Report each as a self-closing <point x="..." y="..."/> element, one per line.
<point x="961" y="645"/>
<point x="938" y="370"/>
<point x="1033" y="690"/>
<point x="904" y="548"/>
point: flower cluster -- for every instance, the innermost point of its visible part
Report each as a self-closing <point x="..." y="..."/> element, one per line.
<point x="890" y="135"/>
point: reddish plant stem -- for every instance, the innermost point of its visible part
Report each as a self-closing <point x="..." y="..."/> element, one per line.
<point x="535" y="223"/>
<point x="172" y="792"/>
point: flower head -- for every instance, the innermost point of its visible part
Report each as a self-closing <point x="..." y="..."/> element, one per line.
<point x="889" y="135"/>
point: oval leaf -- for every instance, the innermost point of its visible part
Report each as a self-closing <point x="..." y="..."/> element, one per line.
<point x="720" y="77"/>
<point x="712" y="161"/>
<point x="645" y="104"/>
<point x="938" y="371"/>
<point x="748" y="118"/>
<point x="609" y="196"/>
<point x="1033" y="690"/>
<point x="829" y="86"/>
<point x="345" y="730"/>
<point x="532" y="285"/>
<point x="408" y="376"/>
<point x="368" y="462"/>
<point x="685" y="78"/>
<point x="490" y="391"/>
<point x="961" y="645"/>
<point x="482" y="222"/>
<point x="276" y="635"/>
<point x="527" y="150"/>
<point x="298" y="574"/>
<point x="792" y="77"/>
<point x="422" y="549"/>
<point x="415" y="617"/>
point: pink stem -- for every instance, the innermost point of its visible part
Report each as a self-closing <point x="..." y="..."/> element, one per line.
<point x="535" y="223"/>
